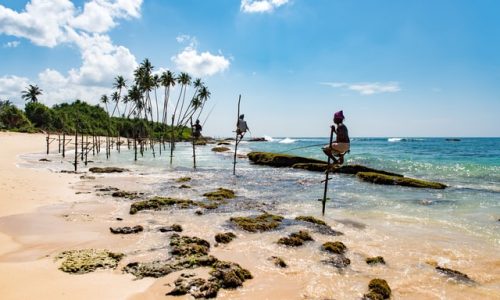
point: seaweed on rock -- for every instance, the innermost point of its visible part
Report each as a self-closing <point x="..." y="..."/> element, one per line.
<point x="225" y="237"/>
<point x="310" y="219"/>
<point x="378" y="290"/>
<point x="107" y="170"/>
<point x="158" y="203"/>
<point x="88" y="260"/>
<point x="220" y="194"/>
<point x="264" y="222"/>
<point x="295" y="239"/>
<point x="378" y="178"/>
<point x="334" y="247"/>
<point x="375" y="260"/>
<point x="278" y="261"/>
<point x="126" y="229"/>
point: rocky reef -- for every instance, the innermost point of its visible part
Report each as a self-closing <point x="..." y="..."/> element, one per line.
<point x="295" y="239"/>
<point x="278" y="261"/>
<point x="88" y="260"/>
<point x="157" y="203"/>
<point x="279" y="160"/>
<point x="225" y="238"/>
<point x="378" y="289"/>
<point x="107" y="170"/>
<point x="375" y="260"/>
<point x="396" y="180"/>
<point x="334" y="247"/>
<point x="126" y="229"/>
<point x="220" y="194"/>
<point x="220" y="149"/>
<point x="264" y="222"/>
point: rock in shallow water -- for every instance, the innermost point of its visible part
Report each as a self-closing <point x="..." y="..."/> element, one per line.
<point x="88" y="260"/>
<point x="126" y="229"/>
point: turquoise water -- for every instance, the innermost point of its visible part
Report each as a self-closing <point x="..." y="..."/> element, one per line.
<point x="470" y="167"/>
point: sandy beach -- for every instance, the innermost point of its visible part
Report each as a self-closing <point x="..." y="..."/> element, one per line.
<point x="27" y="268"/>
<point x="43" y="213"/>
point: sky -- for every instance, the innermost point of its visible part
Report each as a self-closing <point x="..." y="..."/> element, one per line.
<point x="426" y="68"/>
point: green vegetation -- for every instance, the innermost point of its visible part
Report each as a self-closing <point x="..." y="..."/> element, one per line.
<point x="157" y="203"/>
<point x="225" y="237"/>
<point x="14" y="119"/>
<point x="220" y="194"/>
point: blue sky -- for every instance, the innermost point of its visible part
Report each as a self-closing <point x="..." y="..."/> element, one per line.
<point x="396" y="68"/>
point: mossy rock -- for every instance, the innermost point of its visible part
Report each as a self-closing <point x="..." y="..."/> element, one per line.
<point x="88" y="260"/>
<point x="107" y="170"/>
<point x="173" y="227"/>
<point x="230" y="275"/>
<point x="375" y="260"/>
<point x="278" y="261"/>
<point x="223" y="143"/>
<point x="295" y="239"/>
<point x="378" y="178"/>
<point x="126" y="229"/>
<point x="264" y="222"/>
<point x="378" y="289"/>
<point x="200" y="142"/>
<point x="344" y="169"/>
<point x="334" y="247"/>
<point x="455" y="275"/>
<point x="197" y="287"/>
<point x="279" y="160"/>
<point x="339" y="261"/>
<point x="123" y="194"/>
<point x="310" y="219"/>
<point x="157" y="203"/>
<point x="183" y="179"/>
<point x="220" y="149"/>
<point x="188" y="246"/>
<point x="220" y="194"/>
<point x="184" y="186"/>
<point x="225" y="237"/>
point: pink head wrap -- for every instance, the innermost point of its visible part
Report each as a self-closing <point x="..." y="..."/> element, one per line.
<point x="339" y="115"/>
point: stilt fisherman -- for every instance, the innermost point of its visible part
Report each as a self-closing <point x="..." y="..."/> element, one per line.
<point x="241" y="126"/>
<point x="197" y="129"/>
<point x="341" y="145"/>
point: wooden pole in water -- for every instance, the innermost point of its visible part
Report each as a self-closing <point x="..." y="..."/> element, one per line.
<point x="86" y="148"/>
<point x="327" y="174"/>
<point x="172" y="140"/>
<point x="59" y="141"/>
<point x="47" y="138"/>
<point x="64" y="144"/>
<point x="76" y="148"/>
<point x="135" y="149"/>
<point x="82" y="147"/>
<point x="236" y="139"/>
<point x="192" y="142"/>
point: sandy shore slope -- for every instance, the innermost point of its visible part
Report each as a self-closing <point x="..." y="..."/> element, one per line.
<point x="27" y="269"/>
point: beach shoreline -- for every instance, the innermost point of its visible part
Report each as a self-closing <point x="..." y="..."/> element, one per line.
<point x="44" y="213"/>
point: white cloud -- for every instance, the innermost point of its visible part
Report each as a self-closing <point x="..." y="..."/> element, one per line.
<point x="11" y="87"/>
<point x="55" y="22"/>
<point x="99" y="16"/>
<point x="260" y="6"/>
<point x="202" y="64"/>
<point x="12" y="44"/>
<point x="367" y="88"/>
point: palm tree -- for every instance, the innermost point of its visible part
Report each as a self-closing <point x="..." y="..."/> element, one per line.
<point x="119" y="84"/>
<point x="31" y="93"/>
<point x="116" y="98"/>
<point x="167" y="80"/>
<point x="196" y="84"/>
<point x="184" y="80"/>
<point x="105" y="100"/>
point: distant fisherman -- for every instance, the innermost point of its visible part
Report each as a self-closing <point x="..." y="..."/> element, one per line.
<point x="241" y="127"/>
<point x="342" y="142"/>
<point x="197" y="129"/>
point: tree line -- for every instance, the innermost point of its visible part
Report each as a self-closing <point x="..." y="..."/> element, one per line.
<point x="142" y="109"/>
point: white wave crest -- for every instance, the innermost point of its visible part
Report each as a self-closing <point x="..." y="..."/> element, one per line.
<point x="392" y="140"/>
<point x="287" y="141"/>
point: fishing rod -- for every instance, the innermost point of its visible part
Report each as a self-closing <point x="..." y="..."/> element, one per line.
<point x="208" y="115"/>
<point x="303" y="147"/>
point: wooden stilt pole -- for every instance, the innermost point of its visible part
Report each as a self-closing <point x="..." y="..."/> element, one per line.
<point x="59" y="141"/>
<point x="327" y="173"/>
<point x="48" y="141"/>
<point x="193" y="143"/>
<point x="76" y="148"/>
<point x="135" y="149"/>
<point x="64" y="144"/>
<point x="172" y="142"/>
<point x="236" y="142"/>
<point x="86" y="148"/>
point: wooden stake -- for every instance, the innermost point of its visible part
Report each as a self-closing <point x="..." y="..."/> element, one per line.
<point x="192" y="142"/>
<point x="327" y="174"/>
<point x="76" y="148"/>
<point x="236" y="140"/>
<point x="48" y="143"/>
<point x="64" y="145"/>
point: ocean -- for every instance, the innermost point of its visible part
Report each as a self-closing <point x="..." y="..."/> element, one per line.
<point x="457" y="227"/>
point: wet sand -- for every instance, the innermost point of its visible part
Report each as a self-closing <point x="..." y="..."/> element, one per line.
<point x="33" y="230"/>
<point x="43" y="213"/>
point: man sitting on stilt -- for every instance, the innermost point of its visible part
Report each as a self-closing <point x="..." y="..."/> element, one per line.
<point x="342" y="143"/>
